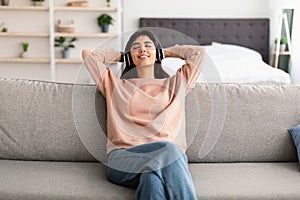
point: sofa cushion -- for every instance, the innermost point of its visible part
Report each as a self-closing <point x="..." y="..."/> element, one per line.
<point x="37" y="120"/>
<point x="244" y="123"/>
<point x="236" y="181"/>
<point x="224" y="122"/>
<point x="34" y="180"/>
<point x="295" y="133"/>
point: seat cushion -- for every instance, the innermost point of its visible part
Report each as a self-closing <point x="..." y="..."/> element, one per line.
<point x="230" y="181"/>
<point x="22" y="180"/>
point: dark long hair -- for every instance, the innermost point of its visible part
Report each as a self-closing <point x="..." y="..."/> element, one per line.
<point x="130" y="71"/>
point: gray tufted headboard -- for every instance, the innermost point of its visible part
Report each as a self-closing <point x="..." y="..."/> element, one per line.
<point x="251" y="33"/>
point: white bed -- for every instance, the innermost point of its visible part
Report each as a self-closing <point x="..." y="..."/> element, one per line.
<point x="227" y="63"/>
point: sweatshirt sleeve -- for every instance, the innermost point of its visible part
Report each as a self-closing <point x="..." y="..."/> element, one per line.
<point x="95" y="63"/>
<point x="193" y="56"/>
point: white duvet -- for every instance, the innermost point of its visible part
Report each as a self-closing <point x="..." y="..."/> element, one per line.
<point x="226" y="63"/>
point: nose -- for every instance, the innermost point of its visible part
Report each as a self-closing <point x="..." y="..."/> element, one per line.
<point x="142" y="49"/>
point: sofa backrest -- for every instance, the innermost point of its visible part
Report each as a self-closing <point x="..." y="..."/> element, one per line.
<point x="37" y="121"/>
<point x="244" y="123"/>
<point x="224" y="122"/>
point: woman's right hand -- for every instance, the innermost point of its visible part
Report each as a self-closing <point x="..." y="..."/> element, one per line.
<point x="85" y="53"/>
<point x="111" y="54"/>
<point x="169" y="53"/>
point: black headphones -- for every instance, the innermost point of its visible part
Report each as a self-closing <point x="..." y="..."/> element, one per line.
<point x="127" y="59"/>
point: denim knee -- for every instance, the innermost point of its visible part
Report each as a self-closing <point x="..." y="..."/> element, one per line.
<point x="147" y="157"/>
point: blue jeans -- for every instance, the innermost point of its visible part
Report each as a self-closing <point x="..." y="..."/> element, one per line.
<point x="158" y="171"/>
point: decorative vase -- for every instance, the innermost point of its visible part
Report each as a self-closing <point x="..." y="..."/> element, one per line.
<point x="65" y="53"/>
<point x="23" y="54"/>
<point x="38" y="3"/>
<point x="105" y="28"/>
<point x="282" y="47"/>
<point x="4" y="2"/>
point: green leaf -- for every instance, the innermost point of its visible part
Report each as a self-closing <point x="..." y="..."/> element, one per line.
<point x="104" y="19"/>
<point x="62" y="42"/>
<point x="73" y="39"/>
<point x="71" y="46"/>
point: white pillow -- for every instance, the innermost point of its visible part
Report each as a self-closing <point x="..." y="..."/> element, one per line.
<point x="237" y="50"/>
<point x="209" y="72"/>
<point x="225" y="63"/>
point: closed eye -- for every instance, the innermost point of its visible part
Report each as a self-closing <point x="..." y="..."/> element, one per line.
<point x="149" y="45"/>
<point x="137" y="46"/>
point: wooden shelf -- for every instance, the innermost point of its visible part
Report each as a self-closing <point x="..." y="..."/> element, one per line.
<point x="282" y="53"/>
<point x="24" y="34"/>
<point x="274" y="56"/>
<point x="25" y="60"/>
<point x="74" y="8"/>
<point x="49" y="12"/>
<point x="87" y="35"/>
<point x="68" y="60"/>
<point x="29" y="8"/>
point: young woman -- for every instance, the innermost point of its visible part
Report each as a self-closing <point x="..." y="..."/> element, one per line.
<point x="146" y="141"/>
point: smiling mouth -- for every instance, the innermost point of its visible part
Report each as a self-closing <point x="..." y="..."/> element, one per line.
<point x="143" y="56"/>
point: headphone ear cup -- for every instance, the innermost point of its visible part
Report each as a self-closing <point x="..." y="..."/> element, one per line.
<point x="159" y="55"/>
<point x="128" y="59"/>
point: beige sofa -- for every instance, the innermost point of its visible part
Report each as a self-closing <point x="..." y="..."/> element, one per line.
<point x="52" y="139"/>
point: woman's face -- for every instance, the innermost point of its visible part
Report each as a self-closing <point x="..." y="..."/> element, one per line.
<point x="143" y="51"/>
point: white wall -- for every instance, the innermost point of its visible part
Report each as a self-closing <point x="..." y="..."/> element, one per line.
<point x="132" y="11"/>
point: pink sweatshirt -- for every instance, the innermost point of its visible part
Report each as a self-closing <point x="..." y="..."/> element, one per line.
<point x="142" y="110"/>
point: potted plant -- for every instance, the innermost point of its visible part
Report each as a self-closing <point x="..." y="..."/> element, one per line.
<point x="38" y="2"/>
<point x="25" y="46"/>
<point x="283" y="42"/>
<point x="108" y="3"/>
<point x="66" y="45"/>
<point x="104" y="21"/>
<point x="3" y="28"/>
<point x="4" y="2"/>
